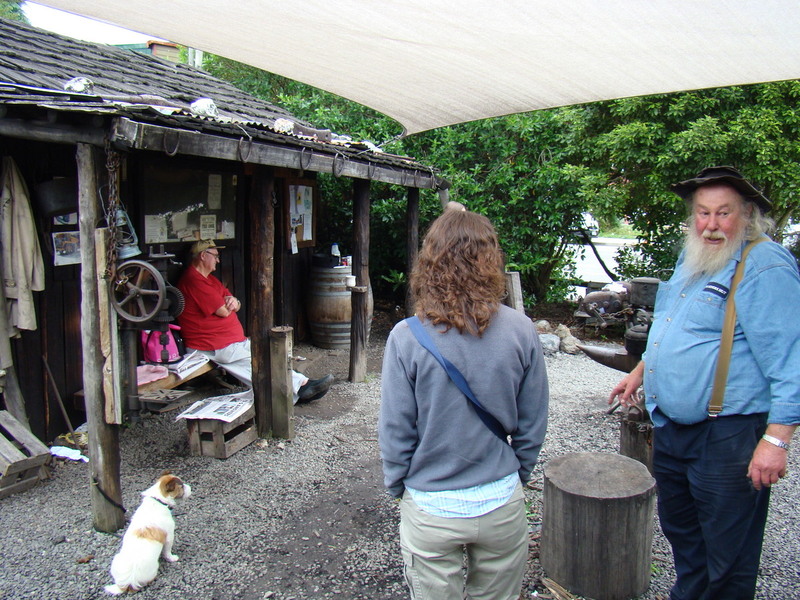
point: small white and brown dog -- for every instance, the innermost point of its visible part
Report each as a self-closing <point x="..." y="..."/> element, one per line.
<point x="150" y="534"/>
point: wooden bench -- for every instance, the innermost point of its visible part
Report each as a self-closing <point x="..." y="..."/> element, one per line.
<point x="172" y="380"/>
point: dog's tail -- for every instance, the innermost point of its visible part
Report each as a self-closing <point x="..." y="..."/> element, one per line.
<point x="115" y="590"/>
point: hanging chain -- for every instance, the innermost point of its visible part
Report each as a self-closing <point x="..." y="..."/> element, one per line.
<point x="110" y="208"/>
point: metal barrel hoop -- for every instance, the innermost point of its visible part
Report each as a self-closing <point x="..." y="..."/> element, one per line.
<point x="338" y="171"/>
<point x="244" y="157"/>
<point x="174" y="151"/>
<point x="303" y="167"/>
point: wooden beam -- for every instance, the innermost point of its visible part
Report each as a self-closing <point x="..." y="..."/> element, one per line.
<point x="262" y="248"/>
<point x="359" y="301"/>
<point x="144" y="136"/>
<point x="104" y="455"/>
<point x="412" y="242"/>
<point x="40" y="131"/>
<point x="109" y="335"/>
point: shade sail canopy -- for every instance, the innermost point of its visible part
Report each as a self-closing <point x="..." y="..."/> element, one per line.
<point x="431" y="63"/>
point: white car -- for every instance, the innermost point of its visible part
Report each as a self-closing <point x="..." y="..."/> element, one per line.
<point x="589" y="224"/>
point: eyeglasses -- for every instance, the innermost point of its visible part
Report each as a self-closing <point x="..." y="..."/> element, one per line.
<point x="214" y="254"/>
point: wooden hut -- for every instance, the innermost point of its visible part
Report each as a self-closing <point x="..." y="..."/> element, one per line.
<point x="94" y="130"/>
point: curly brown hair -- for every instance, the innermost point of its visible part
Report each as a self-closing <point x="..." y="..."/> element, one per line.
<point x="458" y="279"/>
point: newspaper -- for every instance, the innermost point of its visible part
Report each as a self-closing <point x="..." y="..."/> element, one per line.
<point x="188" y="365"/>
<point x="222" y="408"/>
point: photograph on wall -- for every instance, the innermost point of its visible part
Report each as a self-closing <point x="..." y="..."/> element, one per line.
<point x="67" y="248"/>
<point x="69" y="219"/>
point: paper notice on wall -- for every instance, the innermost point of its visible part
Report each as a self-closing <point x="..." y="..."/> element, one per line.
<point x="214" y="192"/>
<point x="155" y="229"/>
<point x="208" y="227"/>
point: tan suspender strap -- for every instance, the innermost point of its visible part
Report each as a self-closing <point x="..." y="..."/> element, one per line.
<point x="726" y="343"/>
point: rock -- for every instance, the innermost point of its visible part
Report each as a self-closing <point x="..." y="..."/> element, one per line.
<point x="543" y="326"/>
<point x="569" y="343"/>
<point x="550" y="343"/>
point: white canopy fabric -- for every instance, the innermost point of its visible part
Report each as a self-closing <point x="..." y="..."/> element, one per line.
<point x="431" y="63"/>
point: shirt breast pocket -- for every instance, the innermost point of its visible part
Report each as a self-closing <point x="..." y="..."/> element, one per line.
<point x="705" y="316"/>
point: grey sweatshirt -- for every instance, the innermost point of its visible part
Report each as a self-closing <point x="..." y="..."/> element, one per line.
<point x="430" y="436"/>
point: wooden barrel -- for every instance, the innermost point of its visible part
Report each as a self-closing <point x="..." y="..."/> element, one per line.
<point x="597" y="524"/>
<point x="329" y="307"/>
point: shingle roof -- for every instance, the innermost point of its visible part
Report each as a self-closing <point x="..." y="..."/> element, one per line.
<point x="35" y="65"/>
<point x="38" y="58"/>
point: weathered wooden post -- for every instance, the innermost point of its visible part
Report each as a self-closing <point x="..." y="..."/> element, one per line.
<point x="262" y="244"/>
<point x="514" y="291"/>
<point x="358" y="333"/>
<point x="597" y="524"/>
<point x="282" y="392"/>
<point x="412" y="242"/>
<point x="360" y="311"/>
<point x="104" y="457"/>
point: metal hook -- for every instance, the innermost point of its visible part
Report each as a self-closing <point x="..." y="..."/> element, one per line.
<point x="174" y="151"/>
<point x="371" y="168"/>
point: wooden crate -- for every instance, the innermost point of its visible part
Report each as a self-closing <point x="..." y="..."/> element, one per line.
<point x="22" y="456"/>
<point x="212" y="437"/>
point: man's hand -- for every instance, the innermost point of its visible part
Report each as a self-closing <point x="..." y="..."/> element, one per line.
<point x="625" y="390"/>
<point x="232" y="304"/>
<point x="768" y="464"/>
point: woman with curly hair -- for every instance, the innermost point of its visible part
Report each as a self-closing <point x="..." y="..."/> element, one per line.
<point x="459" y="482"/>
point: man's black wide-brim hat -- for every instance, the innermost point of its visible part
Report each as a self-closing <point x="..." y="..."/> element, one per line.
<point x="727" y="175"/>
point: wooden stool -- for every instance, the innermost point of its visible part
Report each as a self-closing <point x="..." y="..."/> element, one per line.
<point x="597" y="524"/>
<point x="211" y="437"/>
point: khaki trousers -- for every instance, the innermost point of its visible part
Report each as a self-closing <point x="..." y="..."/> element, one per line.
<point x="433" y="548"/>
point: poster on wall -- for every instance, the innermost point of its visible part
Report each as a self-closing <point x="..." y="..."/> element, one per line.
<point x="186" y="204"/>
<point x="67" y="248"/>
<point x="300" y="214"/>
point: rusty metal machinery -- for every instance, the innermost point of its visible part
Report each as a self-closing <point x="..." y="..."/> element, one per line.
<point x="630" y="303"/>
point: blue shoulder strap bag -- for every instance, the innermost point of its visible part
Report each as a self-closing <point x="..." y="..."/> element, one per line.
<point x="455" y="375"/>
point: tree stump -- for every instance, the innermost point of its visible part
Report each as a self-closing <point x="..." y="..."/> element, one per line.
<point x="597" y="524"/>
<point x="636" y="437"/>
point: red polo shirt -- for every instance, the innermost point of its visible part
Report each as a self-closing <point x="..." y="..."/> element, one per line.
<point x="200" y="327"/>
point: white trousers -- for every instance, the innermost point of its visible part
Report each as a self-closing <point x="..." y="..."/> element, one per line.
<point x="236" y="359"/>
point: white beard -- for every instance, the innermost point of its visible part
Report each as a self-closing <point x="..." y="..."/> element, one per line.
<point x="705" y="259"/>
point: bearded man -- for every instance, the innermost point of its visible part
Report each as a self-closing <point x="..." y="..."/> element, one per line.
<point x="714" y="469"/>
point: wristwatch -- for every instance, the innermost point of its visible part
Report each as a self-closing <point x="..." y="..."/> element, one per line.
<point x="775" y="441"/>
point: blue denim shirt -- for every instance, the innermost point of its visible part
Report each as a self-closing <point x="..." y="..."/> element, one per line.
<point x="684" y="341"/>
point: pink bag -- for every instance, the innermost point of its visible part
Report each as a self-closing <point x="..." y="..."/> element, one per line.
<point x="162" y="347"/>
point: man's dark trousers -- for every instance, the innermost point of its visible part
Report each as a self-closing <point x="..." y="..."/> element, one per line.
<point x="707" y="507"/>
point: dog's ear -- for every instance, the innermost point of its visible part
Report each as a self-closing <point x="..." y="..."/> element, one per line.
<point x="170" y="483"/>
<point x="167" y="472"/>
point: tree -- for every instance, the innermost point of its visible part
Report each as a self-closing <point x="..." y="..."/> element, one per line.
<point x="645" y="144"/>
<point x="12" y="10"/>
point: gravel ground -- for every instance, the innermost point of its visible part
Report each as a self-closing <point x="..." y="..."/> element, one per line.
<point x="307" y="518"/>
